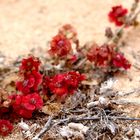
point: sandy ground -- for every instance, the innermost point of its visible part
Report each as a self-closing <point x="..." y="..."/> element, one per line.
<point x="25" y="24"/>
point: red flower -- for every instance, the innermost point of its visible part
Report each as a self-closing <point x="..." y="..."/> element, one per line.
<point x="24" y="105"/>
<point x="92" y="54"/>
<point x="120" y="61"/>
<point x="58" y="85"/>
<point x="32" y="101"/>
<point x="107" y="56"/>
<point x="19" y="108"/>
<point x="101" y="56"/>
<point x="62" y="84"/>
<point x="117" y="15"/>
<point x="68" y="31"/>
<point x="5" y="127"/>
<point x="30" y="83"/>
<point x="60" y="45"/>
<point x="30" y="64"/>
<point x="73" y="79"/>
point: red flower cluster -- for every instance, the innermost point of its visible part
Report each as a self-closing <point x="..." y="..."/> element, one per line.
<point x="30" y="64"/>
<point x="120" y="61"/>
<point x="5" y="127"/>
<point x="117" y="15"/>
<point x="65" y="83"/>
<point x="106" y="56"/>
<point x="30" y="74"/>
<point x="25" y="105"/>
<point x="30" y="83"/>
<point x="101" y="56"/>
<point x="60" y="46"/>
<point x="29" y="101"/>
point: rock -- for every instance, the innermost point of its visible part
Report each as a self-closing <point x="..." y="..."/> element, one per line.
<point x="24" y="126"/>
<point x="137" y="132"/>
<point x="78" y="126"/>
<point x="92" y="104"/>
<point x="103" y="101"/>
<point x="65" y="132"/>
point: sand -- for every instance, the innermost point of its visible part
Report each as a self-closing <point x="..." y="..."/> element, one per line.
<point x="26" y="24"/>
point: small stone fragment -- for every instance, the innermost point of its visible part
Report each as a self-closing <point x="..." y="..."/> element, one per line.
<point x="137" y="132"/>
<point x="79" y="127"/>
<point x="92" y="104"/>
<point x="24" y="126"/>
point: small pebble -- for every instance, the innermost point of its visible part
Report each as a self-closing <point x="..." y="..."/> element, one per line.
<point x="137" y="132"/>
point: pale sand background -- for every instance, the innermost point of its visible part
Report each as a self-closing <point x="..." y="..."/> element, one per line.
<point x="25" y="24"/>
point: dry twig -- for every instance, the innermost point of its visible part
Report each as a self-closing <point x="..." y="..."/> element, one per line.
<point x="44" y="129"/>
<point x="77" y="119"/>
<point x="124" y="102"/>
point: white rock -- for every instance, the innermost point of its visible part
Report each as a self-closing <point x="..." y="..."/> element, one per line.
<point x="137" y="132"/>
<point x="107" y="85"/>
<point x="79" y="127"/>
<point x="92" y="104"/>
<point x="103" y="101"/>
<point x="36" y="138"/>
<point x="28" y="133"/>
<point x="24" y="126"/>
<point x="65" y="132"/>
<point x="58" y="67"/>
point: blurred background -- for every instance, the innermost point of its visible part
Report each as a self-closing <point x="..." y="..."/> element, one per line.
<point x="25" y="24"/>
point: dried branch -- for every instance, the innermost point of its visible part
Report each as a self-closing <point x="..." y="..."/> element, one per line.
<point x="122" y="93"/>
<point x="76" y="119"/>
<point x="124" y="102"/>
<point x="44" y="129"/>
<point x="82" y="62"/>
<point x="117" y="35"/>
